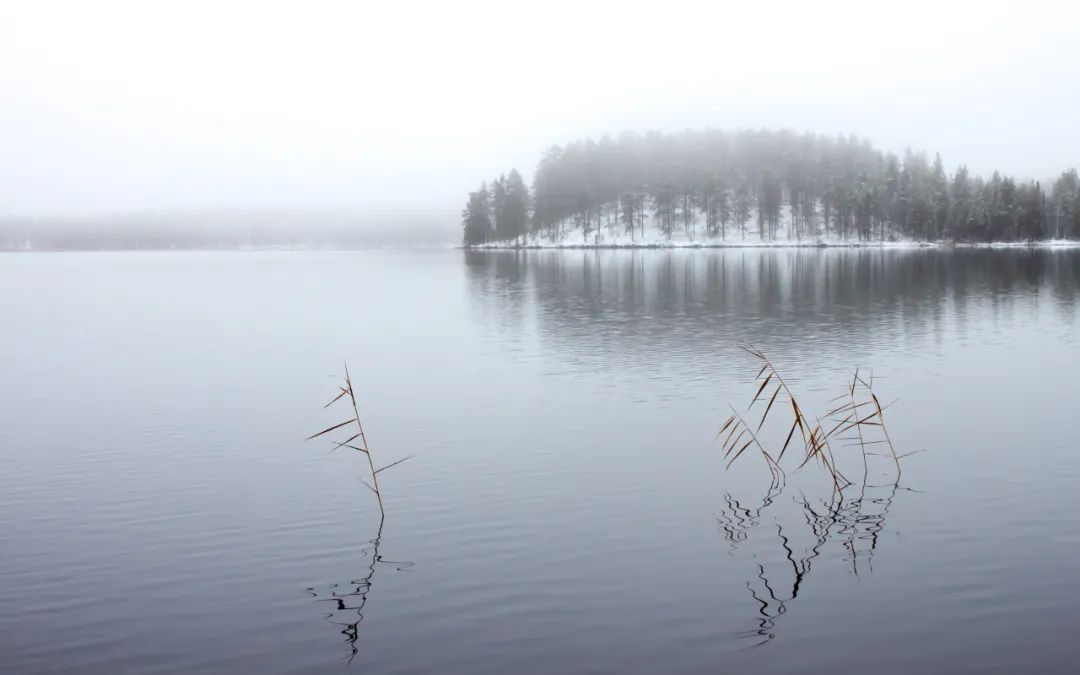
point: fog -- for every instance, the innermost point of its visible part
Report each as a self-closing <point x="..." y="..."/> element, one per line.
<point x="689" y="337"/>
<point x="121" y="107"/>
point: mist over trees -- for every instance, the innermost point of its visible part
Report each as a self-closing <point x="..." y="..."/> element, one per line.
<point x="762" y="185"/>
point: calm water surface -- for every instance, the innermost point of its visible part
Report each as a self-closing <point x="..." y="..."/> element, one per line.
<point x="567" y="509"/>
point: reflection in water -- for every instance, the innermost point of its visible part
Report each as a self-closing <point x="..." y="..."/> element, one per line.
<point x="853" y="522"/>
<point x="699" y="300"/>
<point x="627" y="311"/>
<point x="582" y="538"/>
<point x="349" y="599"/>
<point x="736" y="521"/>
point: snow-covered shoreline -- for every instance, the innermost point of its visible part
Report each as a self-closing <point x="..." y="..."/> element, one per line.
<point x="501" y="246"/>
<point x="779" y="244"/>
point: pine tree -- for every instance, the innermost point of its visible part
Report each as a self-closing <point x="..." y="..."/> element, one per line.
<point x="476" y="218"/>
<point x="516" y="206"/>
<point x="499" y="211"/>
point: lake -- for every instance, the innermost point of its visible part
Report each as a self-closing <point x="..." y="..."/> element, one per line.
<point x="567" y="506"/>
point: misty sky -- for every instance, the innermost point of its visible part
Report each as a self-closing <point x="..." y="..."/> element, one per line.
<point x="121" y="106"/>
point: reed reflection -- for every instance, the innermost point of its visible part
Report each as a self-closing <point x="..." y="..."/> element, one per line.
<point x="851" y="522"/>
<point x="349" y="599"/>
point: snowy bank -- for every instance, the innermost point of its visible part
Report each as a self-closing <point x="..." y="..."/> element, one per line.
<point x="657" y="241"/>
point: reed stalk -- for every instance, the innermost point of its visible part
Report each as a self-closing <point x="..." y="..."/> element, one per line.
<point x="860" y="412"/>
<point x="347" y="391"/>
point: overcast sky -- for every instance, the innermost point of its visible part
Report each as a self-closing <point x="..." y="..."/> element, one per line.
<point x="121" y="106"/>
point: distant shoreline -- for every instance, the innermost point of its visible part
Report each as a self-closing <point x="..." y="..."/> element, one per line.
<point x="679" y="245"/>
<point x="608" y="246"/>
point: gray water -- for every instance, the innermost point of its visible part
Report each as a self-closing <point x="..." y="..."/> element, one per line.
<point x="566" y="508"/>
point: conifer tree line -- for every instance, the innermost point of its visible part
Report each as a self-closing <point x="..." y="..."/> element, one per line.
<point x="762" y="185"/>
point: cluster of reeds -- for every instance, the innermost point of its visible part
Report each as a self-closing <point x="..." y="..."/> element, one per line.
<point x="357" y="441"/>
<point x="857" y="421"/>
<point x="855" y="517"/>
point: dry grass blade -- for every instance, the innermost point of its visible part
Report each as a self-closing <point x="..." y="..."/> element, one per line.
<point x="885" y="432"/>
<point x="727" y="424"/>
<point x="329" y="429"/>
<point x="772" y="400"/>
<point x="864" y="422"/>
<point x="762" y="388"/>
<point x="754" y="351"/>
<point x="743" y="448"/>
<point x="800" y="424"/>
<point x="832" y="432"/>
<point x="345" y="442"/>
<point x="393" y="464"/>
<point x="733" y="440"/>
<point x="794" y="426"/>
<point x="344" y="392"/>
<point x="847" y="407"/>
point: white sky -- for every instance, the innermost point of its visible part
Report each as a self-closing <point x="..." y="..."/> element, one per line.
<point x="118" y="106"/>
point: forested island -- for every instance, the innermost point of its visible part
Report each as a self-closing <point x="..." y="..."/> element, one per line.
<point x="713" y="187"/>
